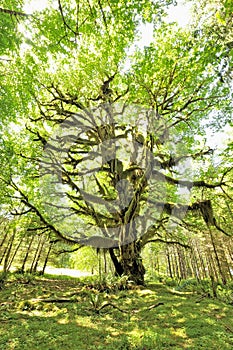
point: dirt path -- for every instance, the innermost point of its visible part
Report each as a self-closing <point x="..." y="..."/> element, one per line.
<point x="66" y="272"/>
<point x="60" y="271"/>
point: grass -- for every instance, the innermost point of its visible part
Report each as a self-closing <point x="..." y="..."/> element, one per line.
<point x="128" y="320"/>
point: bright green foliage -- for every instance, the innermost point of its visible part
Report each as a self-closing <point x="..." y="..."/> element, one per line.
<point x="217" y="26"/>
<point x="10" y="38"/>
<point x="60" y="59"/>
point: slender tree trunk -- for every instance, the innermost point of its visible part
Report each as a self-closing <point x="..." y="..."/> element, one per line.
<point x="5" y="251"/>
<point x="195" y="265"/>
<point x="7" y="256"/>
<point x="176" y="264"/>
<point x="100" y="265"/>
<point x="211" y="264"/>
<point x="47" y="258"/>
<point x="40" y="249"/>
<point x="188" y="266"/>
<point x="223" y="277"/>
<point x="157" y="264"/>
<point x="214" y="285"/>
<point x="203" y="267"/>
<point x="105" y="262"/>
<point x="152" y="260"/>
<point x="35" y="255"/>
<point x="27" y="253"/>
<point x="15" y="252"/>
<point x="182" y="268"/>
<point x="229" y="250"/>
<point x="192" y="273"/>
<point x="173" y="264"/>
<point x="3" y="240"/>
<point x="229" y="256"/>
<point x="169" y="263"/>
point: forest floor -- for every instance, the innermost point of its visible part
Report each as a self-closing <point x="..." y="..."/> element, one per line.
<point x="61" y="313"/>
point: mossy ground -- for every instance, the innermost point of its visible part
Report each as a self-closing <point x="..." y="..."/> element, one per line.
<point x="131" y="321"/>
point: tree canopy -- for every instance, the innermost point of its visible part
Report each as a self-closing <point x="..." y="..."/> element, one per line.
<point x="105" y="142"/>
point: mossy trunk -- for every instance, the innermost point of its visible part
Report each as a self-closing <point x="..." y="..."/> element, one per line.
<point x="129" y="262"/>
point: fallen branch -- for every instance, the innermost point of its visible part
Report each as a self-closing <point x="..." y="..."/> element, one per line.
<point x="228" y="328"/>
<point x="206" y="295"/>
<point x="65" y="300"/>
<point x="6" y="303"/>
<point x="109" y="304"/>
<point x="56" y="300"/>
<point x="154" y="306"/>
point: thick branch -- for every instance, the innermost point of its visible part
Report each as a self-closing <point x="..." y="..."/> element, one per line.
<point x="172" y="161"/>
<point x="70" y="250"/>
<point x="169" y="242"/>
<point x="14" y="13"/>
<point x="187" y="183"/>
<point x="25" y="200"/>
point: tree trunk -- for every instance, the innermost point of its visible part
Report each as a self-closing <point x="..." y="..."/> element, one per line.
<point x="105" y="262"/>
<point x="117" y="265"/>
<point x="221" y="272"/>
<point x="202" y="263"/>
<point x="15" y="252"/>
<point x="99" y="265"/>
<point x="182" y="267"/>
<point x="27" y="253"/>
<point x="169" y="262"/>
<point x="176" y="264"/>
<point x="7" y="257"/>
<point x="5" y="250"/>
<point x="194" y="264"/>
<point x="47" y="258"/>
<point x="131" y="262"/>
<point x="224" y="259"/>
<point x="40" y="249"/>
<point x="4" y="239"/>
<point x="211" y="265"/>
<point x="172" y="258"/>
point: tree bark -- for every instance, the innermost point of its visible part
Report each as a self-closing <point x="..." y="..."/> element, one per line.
<point x="47" y="258"/>
<point x="37" y="258"/>
<point x="4" y="251"/>
<point x="117" y="265"/>
<point x="7" y="256"/>
<point x="15" y="252"/>
<point x="3" y="240"/>
<point x="27" y="253"/>
<point x="181" y="261"/>
<point x="221" y="272"/>
<point x="202" y="264"/>
<point x="131" y="262"/>
<point x="224" y="259"/>
<point x="169" y="263"/>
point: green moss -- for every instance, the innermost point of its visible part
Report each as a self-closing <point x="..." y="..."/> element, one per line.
<point x="156" y="317"/>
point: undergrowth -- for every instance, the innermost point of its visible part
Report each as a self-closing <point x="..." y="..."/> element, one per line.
<point x="224" y="292"/>
<point x="52" y="312"/>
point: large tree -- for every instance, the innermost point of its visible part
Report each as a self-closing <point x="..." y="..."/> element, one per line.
<point x="110" y="150"/>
